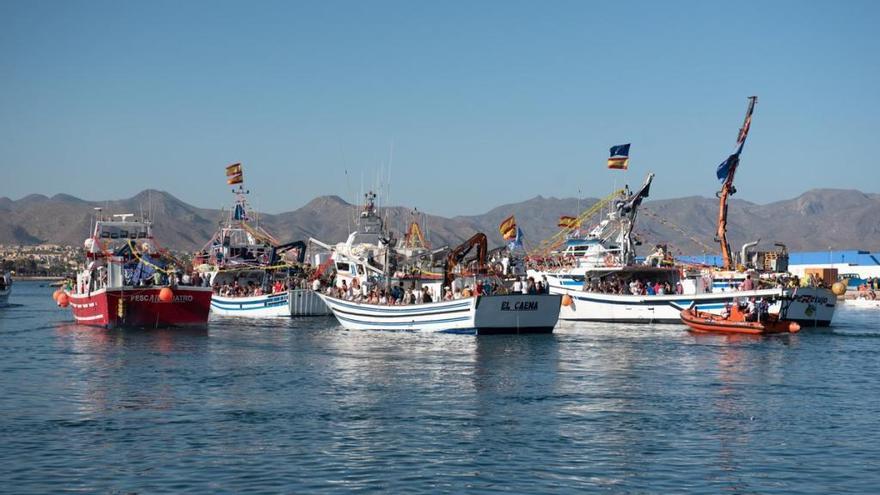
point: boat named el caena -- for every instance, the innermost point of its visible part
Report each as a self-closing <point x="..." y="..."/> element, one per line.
<point x="480" y="315"/>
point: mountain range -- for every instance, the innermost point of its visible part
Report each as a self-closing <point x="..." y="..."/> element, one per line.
<point x="817" y="220"/>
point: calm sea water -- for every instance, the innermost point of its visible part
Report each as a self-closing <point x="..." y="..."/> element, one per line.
<point x="304" y="406"/>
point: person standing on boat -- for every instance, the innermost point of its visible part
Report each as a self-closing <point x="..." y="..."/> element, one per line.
<point x="751" y="310"/>
<point x="748" y="284"/>
<point x="763" y="310"/>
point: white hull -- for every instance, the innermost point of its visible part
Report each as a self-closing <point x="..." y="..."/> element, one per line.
<point x="807" y="306"/>
<point x="295" y="302"/>
<point x="306" y="302"/>
<point x="519" y="313"/>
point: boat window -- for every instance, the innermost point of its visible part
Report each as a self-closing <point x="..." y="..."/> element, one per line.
<point x="114" y="235"/>
<point x="123" y="234"/>
<point x="105" y="235"/>
<point x="343" y="267"/>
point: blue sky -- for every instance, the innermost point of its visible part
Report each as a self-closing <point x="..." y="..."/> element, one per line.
<point x="482" y="103"/>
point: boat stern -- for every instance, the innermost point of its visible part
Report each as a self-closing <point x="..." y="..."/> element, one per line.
<point x="517" y="313"/>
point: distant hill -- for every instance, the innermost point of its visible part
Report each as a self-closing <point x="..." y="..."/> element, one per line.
<point x="816" y="220"/>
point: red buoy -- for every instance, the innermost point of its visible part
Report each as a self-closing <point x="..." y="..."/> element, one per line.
<point x="63" y="300"/>
<point x="166" y="294"/>
<point x="566" y="300"/>
<point x="57" y="293"/>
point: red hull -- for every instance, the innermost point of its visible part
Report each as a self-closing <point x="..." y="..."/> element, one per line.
<point x="142" y="308"/>
<point x="700" y="321"/>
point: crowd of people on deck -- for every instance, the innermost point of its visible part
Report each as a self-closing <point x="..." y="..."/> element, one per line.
<point x="372" y="293"/>
<point x="635" y="287"/>
<point x="241" y="288"/>
<point x="235" y="288"/>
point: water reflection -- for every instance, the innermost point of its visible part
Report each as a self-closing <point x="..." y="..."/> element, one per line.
<point x="303" y="406"/>
<point x="105" y="371"/>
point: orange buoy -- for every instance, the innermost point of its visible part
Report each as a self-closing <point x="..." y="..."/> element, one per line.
<point x="63" y="300"/>
<point x="57" y="293"/>
<point x="566" y="300"/>
<point x="839" y="288"/>
<point x="794" y="327"/>
<point x="166" y="294"/>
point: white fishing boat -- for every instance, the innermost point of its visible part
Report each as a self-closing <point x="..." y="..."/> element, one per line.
<point x="284" y="303"/>
<point x="480" y="315"/>
<point x="5" y="288"/>
<point x="604" y="282"/>
<point x="368" y="262"/>
<point x="253" y="275"/>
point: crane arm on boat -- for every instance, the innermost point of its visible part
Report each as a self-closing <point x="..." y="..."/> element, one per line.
<point x="458" y="254"/>
<point x="726" y="172"/>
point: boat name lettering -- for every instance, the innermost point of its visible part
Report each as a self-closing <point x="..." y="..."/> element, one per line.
<point x="153" y="298"/>
<point x="810" y="299"/>
<point x="519" y="306"/>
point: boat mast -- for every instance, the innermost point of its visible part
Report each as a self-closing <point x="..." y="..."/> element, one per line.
<point x="627" y="210"/>
<point x="726" y="171"/>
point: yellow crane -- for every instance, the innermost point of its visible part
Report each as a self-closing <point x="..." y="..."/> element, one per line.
<point x="546" y="246"/>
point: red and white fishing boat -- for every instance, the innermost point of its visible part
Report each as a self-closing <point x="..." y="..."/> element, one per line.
<point x="128" y="282"/>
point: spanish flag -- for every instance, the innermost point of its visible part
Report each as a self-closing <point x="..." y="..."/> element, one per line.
<point x="508" y="228"/>
<point x="233" y="169"/>
<point x="619" y="157"/>
<point x="568" y="222"/>
<point x="234" y="174"/>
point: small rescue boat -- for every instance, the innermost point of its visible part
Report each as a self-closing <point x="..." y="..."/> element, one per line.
<point x="701" y="321"/>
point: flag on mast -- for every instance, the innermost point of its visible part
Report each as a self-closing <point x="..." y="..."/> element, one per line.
<point x="234" y="174"/>
<point x="619" y="157"/>
<point x="728" y="166"/>
<point x="567" y="222"/>
<point x="508" y="228"/>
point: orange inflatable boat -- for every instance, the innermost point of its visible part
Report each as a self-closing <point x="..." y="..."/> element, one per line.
<point x="700" y="321"/>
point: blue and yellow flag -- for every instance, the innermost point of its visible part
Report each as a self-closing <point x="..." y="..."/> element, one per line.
<point x="619" y="157"/>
